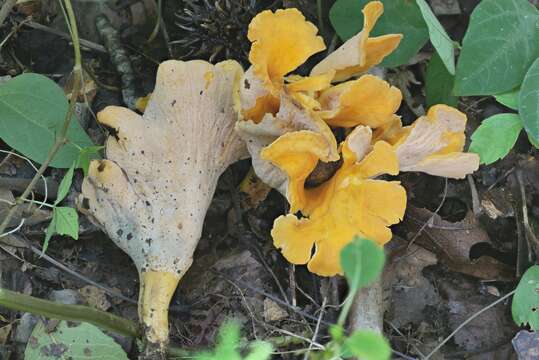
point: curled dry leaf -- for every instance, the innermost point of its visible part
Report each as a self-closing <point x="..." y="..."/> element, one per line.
<point x="152" y="192"/>
<point x="453" y="243"/>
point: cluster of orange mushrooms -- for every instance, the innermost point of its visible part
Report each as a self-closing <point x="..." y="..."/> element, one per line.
<point x="152" y="192"/>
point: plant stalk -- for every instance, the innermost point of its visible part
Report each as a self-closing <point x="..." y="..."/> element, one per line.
<point x="107" y="321"/>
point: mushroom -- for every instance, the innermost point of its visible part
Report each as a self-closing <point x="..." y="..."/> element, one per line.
<point x="152" y="192"/>
<point x="433" y="144"/>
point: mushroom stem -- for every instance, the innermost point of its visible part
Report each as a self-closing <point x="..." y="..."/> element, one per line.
<point x="156" y="291"/>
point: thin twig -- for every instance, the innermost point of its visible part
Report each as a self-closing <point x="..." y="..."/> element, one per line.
<point x="272" y="297"/>
<point x="476" y="204"/>
<point x="530" y="235"/>
<point x="316" y="329"/>
<point x="85" y="43"/>
<point x="45" y="186"/>
<point x="401" y="334"/>
<point x="431" y="217"/>
<point x="292" y="283"/>
<point x="467" y="322"/>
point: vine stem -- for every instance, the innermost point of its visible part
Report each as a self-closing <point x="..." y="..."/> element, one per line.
<point x="50" y="309"/>
<point x="61" y="138"/>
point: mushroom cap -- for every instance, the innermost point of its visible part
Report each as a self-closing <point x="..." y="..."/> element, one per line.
<point x="152" y="192"/>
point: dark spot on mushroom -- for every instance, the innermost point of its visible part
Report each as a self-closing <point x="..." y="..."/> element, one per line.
<point x="201" y="92"/>
<point x="142" y="152"/>
<point x="149" y="241"/>
<point x="101" y="166"/>
<point x="148" y="203"/>
<point x="246" y="84"/>
<point x="129" y="236"/>
<point x="120" y="232"/>
<point x="173" y="102"/>
<point x="87" y="352"/>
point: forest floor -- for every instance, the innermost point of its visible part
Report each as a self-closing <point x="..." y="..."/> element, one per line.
<point x="461" y="246"/>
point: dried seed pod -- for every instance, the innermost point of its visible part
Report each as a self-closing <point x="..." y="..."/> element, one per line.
<point x="216" y="30"/>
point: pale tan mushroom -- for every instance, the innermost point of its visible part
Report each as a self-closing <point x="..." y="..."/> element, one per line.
<point x="152" y="193"/>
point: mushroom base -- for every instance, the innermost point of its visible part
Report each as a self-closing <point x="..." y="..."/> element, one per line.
<point x="156" y="291"/>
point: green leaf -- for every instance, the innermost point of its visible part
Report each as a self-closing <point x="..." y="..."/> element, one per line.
<point x="65" y="221"/>
<point x="336" y="332"/>
<point x="525" y="307"/>
<point x="367" y="345"/>
<point x="69" y="341"/>
<point x="65" y="184"/>
<point x="229" y="343"/>
<point x="260" y="350"/>
<point x="528" y="101"/>
<point x="509" y="99"/>
<point x="495" y="137"/>
<point x="439" y="83"/>
<point x="362" y="261"/>
<point x="400" y="17"/>
<point x="438" y="37"/>
<point x="32" y="112"/>
<point x="501" y="42"/>
<point x="86" y="155"/>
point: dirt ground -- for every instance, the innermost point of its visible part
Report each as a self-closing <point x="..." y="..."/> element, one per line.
<point x="461" y="246"/>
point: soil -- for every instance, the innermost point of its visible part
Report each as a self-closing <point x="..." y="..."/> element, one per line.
<point x="461" y="246"/>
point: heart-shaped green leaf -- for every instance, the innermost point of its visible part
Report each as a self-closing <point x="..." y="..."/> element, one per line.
<point x="495" y="137"/>
<point x="500" y="44"/>
<point x="362" y="261"/>
<point x="525" y="307"/>
<point x="32" y="113"/>
<point x="528" y="102"/>
<point x="71" y="341"/>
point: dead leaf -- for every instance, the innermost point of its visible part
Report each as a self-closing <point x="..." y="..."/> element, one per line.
<point x="255" y="190"/>
<point x="526" y="344"/>
<point x="453" y="239"/>
<point x="95" y="297"/>
<point x="463" y="299"/>
<point x="272" y="311"/>
<point x="32" y="214"/>
<point x="452" y="242"/>
<point x="411" y="292"/>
